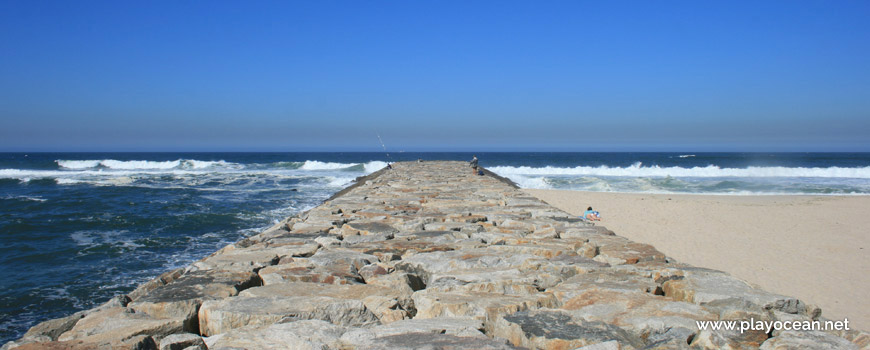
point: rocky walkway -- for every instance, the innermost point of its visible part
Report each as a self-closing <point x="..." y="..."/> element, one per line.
<point x="429" y="256"/>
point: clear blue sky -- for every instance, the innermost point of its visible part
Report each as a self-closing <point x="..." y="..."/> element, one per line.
<point x="434" y="75"/>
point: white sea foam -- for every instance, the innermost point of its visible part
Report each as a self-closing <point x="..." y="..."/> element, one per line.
<point x="374" y="165"/>
<point x="531" y="182"/>
<point x="638" y="170"/>
<point x="339" y="181"/>
<point x="686" y="155"/>
<point x="27" y="198"/>
<point x="92" y="238"/>
<point x="318" y="165"/>
<point x="78" y="164"/>
<point x="368" y="167"/>
<point x="204" y="164"/>
<point x="67" y="181"/>
<point x="144" y="164"/>
<point x="139" y="164"/>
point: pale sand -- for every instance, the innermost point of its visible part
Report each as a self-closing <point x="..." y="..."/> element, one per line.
<point x="815" y="248"/>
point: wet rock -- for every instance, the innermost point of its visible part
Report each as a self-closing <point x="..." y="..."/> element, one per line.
<point x="551" y="329"/>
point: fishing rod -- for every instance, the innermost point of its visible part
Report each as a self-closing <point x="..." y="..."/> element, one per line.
<point x="389" y="160"/>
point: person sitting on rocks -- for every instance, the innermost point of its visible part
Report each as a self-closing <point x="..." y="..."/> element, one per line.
<point x="592" y="215"/>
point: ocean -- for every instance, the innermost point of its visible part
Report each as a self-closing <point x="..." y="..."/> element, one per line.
<point x="78" y="228"/>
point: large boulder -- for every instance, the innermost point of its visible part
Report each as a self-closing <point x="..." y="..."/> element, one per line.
<point x="414" y="341"/>
<point x="387" y="304"/>
<point x="301" y="335"/>
<point x="345" y="305"/>
<point x="810" y="340"/>
<point x="182" y="297"/>
<point x="481" y="306"/>
<point x="553" y="329"/>
<point x="120" y="324"/>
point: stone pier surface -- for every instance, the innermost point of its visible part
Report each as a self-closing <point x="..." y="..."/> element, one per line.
<point x="428" y="255"/>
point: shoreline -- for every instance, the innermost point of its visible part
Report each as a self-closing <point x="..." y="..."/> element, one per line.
<point x="814" y="247"/>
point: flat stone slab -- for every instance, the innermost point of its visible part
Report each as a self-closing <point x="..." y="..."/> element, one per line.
<point x="220" y="316"/>
<point x="301" y="271"/>
<point x="303" y="335"/>
<point x="367" y="228"/>
<point x="547" y="329"/>
<point x="118" y="324"/>
<point x="414" y="341"/>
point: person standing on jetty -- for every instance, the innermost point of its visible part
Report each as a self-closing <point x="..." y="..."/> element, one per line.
<point x="473" y="163"/>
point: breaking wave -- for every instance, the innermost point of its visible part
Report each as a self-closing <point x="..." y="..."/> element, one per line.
<point x="639" y="170"/>
<point x="182" y="173"/>
<point x="192" y="164"/>
<point x="144" y="164"/>
<point x="369" y="167"/>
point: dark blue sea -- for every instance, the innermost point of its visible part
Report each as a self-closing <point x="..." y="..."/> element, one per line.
<point x="78" y="228"/>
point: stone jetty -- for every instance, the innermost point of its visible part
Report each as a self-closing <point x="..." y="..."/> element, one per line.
<point x="428" y="255"/>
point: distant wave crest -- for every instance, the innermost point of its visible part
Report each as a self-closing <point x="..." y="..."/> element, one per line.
<point x="185" y="172"/>
<point x="144" y="164"/>
<point x="369" y="167"/>
<point x="639" y="170"/>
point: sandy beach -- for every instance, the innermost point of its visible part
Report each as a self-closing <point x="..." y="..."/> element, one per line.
<point x="816" y="248"/>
